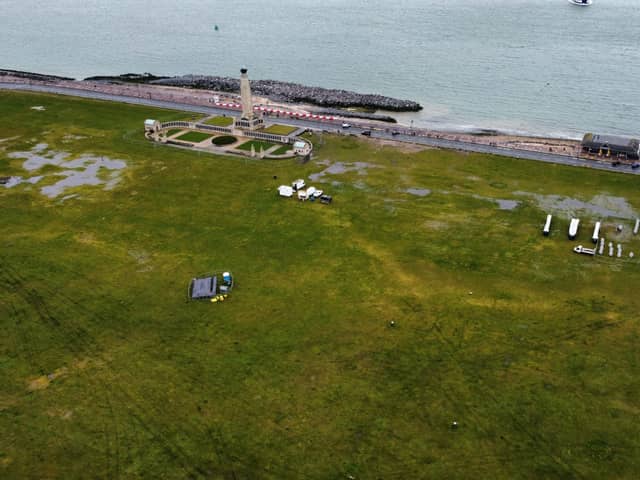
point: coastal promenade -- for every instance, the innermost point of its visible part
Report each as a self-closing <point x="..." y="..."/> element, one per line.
<point x="407" y="135"/>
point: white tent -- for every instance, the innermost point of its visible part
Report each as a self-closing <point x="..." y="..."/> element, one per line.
<point x="285" y="191"/>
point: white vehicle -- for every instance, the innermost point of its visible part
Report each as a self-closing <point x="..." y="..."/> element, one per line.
<point x="285" y="191"/>
<point x="346" y="125"/>
<point x="311" y="192"/>
<point x="302" y="195"/>
<point x="298" y="184"/>
<point x="573" y="228"/>
<point x="318" y="193"/>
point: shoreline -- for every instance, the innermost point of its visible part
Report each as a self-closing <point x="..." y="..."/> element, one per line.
<point x="135" y="85"/>
<point x="414" y="139"/>
<point x="204" y="98"/>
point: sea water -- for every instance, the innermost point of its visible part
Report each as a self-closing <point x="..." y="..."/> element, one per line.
<point x="532" y="66"/>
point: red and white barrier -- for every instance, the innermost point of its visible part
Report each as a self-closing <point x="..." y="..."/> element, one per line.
<point x="277" y="111"/>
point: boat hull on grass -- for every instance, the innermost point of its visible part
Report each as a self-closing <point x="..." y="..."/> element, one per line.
<point x="573" y="228"/>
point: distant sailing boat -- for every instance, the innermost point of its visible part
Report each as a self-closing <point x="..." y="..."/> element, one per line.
<point x="216" y="27"/>
<point x="582" y="3"/>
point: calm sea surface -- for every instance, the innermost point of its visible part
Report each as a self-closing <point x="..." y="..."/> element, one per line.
<point x="536" y="66"/>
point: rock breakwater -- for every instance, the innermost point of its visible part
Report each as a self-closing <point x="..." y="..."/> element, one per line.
<point x="294" y="93"/>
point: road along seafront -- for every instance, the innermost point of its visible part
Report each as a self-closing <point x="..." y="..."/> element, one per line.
<point x="558" y="151"/>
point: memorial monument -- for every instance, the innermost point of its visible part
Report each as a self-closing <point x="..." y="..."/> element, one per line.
<point x="249" y="120"/>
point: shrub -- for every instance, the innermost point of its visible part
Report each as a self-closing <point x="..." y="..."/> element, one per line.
<point x="224" y="140"/>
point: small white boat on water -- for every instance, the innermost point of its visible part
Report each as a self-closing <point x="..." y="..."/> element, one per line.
<point x="582" y="3"/>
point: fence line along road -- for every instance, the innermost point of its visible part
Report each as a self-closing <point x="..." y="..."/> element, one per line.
<point x="357" y="128"/>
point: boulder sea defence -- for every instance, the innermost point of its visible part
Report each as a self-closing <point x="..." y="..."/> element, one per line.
<point x="294" y="93"/>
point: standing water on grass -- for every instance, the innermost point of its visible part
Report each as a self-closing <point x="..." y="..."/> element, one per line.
<point x="531" y="66"/>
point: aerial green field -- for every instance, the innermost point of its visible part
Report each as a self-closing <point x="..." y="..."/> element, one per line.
<point x="219" y="121"/>
<point x="195" y="137"/>
<point x="278" y="129"/>
<point x="107" y="371"/>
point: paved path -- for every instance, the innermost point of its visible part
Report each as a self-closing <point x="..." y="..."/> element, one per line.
<point x="335" y="127"/>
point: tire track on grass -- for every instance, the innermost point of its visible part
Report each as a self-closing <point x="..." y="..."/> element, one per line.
<point x="449" y="349"/>
<point x="81" y="343"/>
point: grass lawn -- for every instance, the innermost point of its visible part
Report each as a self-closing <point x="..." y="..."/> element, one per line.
<point x="106" y="368"/>
<point x="277" y="129"/>
<point x="219" y="121"/>
<point x="174" y="131"/>
<point x="195" y="137"/>
<point x="256" y="144"/>
<point x="282" y="150"/>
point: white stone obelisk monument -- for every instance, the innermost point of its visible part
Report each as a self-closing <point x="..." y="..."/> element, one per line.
<point x="245" y="95"/>
<point x="249" y="119"/>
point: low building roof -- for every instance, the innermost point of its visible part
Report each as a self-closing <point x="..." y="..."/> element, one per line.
<point x="611" y="140"/>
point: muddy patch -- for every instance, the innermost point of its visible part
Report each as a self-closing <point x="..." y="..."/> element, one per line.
<point x="83" y="170"/>
<point x="419" y="192"/>
<point x="42" y="382"/>
<point x="599" y="206"/>
<point x="340" y="167"/>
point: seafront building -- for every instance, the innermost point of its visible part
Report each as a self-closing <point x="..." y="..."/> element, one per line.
<point x="611" y="145"/>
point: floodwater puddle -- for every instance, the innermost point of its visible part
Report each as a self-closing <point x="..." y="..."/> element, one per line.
<point x="503" y="203"/>
<point x="598" y="206"/>
<point x="420" y="192"/>
<point x="13" y="181"/>
<point x="338" y="168"/>
<point x="83" y="170"/>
